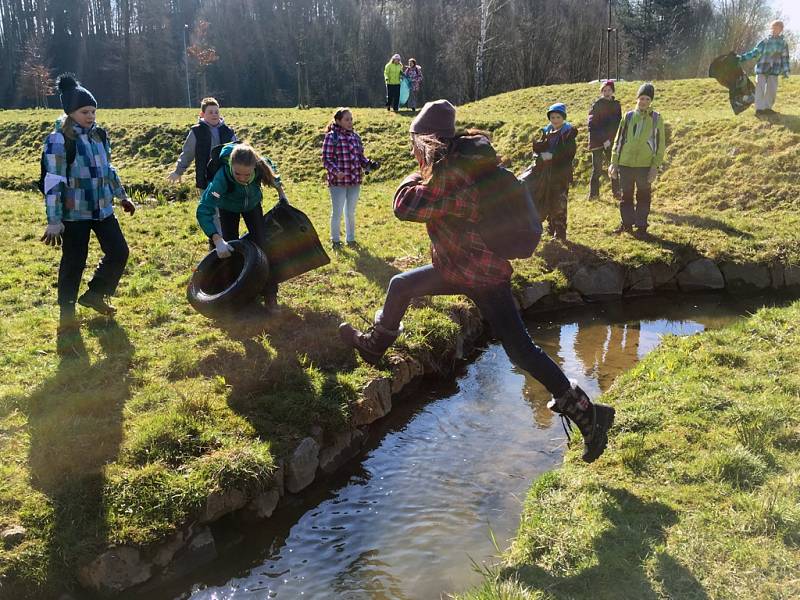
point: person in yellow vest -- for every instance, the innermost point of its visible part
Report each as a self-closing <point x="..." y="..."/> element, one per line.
<point x="391" y="75"/>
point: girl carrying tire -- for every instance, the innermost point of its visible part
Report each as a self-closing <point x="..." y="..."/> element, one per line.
<point x="234" y="192"/>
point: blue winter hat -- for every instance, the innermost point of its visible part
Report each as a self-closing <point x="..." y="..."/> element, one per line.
<point x="72" y="95"/>
<point x="558" y="107"/>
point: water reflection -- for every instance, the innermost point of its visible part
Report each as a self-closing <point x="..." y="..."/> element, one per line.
<point x="444" y="470"/>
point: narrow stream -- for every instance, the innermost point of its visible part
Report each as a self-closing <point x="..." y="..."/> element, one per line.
<point x="447" y="469"/>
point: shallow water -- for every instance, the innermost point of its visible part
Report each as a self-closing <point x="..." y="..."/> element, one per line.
<point x="448" y="469"/>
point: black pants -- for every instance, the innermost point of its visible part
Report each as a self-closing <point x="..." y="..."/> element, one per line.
<point x="497" y="308"/>
<point x="75" y="249"/>
<point x="393" y="96"/>
<point x="630" y="178"/>
<point x="601" y="158"/>
<point x="254" y="219"/>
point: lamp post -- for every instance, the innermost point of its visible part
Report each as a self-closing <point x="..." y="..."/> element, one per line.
<point x="186" y="65"/>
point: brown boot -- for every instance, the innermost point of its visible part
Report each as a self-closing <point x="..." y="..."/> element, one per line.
<point x="592" y="420"/>
<point x="371" y="344"/>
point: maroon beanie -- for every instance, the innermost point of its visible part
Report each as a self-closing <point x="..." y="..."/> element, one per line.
<point x="436" y="118"/>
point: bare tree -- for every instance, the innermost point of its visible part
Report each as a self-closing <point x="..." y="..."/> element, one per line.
<point x="35" y="77"/>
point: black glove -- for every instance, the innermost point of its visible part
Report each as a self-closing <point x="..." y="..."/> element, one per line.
<point x="372" y="165"/>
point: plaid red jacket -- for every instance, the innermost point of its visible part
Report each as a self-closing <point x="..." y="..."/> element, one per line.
<point x="448" y="205"/>
<point x="342" y="152"/>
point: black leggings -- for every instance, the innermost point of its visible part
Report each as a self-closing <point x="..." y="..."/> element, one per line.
<point x="75" y="249"/>
<point x="393" y="96"/>
<point x="254" y="219"/>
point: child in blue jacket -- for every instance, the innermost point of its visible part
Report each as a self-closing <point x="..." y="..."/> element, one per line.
<point x="80" y="186"/>
<point x="555" y="150"/>
<point x="234" y="192"/>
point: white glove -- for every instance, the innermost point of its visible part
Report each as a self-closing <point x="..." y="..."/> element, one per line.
<point x="613" y="172"/>
<point x="607" y="144"/>
<point x="52" y="235"/>
<point x="174" y="177"/>
<point x="223" y="248"/>
<point x="546" y="155"/>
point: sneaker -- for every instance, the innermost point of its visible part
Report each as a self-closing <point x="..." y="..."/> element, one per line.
<point x="336" y="245"/>
<point x="641" y="233"/>
<point x="97" y="302"/>
<point x="353" y="244"/>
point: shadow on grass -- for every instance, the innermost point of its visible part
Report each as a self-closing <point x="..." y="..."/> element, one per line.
<point x="791" y="122"/>
<point x="75" y="428"/>
<point x="703" y="223"/>
<point x="285" y="376"/>
<point x="637" y="530"/>
<point x="375" y="268"/>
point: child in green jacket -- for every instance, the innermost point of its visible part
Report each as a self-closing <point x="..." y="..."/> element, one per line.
<point x="638" y="153"/>
<point x="235" y="191"/>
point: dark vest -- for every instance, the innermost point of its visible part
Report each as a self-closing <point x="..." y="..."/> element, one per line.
<point x="202" y="149"/>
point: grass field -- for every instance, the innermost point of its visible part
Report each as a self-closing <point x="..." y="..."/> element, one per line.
<point x="699" y="494"/>
<point x="120" y="439"/>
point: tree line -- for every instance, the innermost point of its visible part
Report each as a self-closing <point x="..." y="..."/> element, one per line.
<point x="332" y="52"/>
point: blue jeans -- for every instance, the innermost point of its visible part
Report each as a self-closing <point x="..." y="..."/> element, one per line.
<point x="344" y="199"/>
<point x="497" y="308"/>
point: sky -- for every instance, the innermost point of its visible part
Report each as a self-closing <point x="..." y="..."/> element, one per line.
<point x="791" y="12"/>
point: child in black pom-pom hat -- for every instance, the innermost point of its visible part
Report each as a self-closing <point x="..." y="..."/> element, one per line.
<point x="80" y="185"/>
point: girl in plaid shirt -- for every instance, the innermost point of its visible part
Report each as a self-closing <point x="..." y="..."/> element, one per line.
<point x="443" y="196"/>
<point x="344" y="161"/>
<point x="79" y="200"/>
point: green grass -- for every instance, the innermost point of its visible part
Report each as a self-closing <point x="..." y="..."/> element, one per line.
<point x="698" y="495"/>
<point x="120" y="439"/>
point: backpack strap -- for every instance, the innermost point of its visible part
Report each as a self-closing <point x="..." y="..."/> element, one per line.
<point x="622" y="137"/>
<point x="653" y="141"/>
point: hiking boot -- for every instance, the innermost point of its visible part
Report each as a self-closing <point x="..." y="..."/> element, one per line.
<point x="623" y="229"/>
<point x="98" y="302"/>
<point x="592" y="420"/>
<point x="760" y="112"/>
<point x="641" y="233"/>
<point x="371" y="344"/>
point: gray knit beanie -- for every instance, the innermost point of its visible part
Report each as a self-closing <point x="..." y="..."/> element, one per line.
<point x="72" y="95"/>
<point x="647" y="89"/>
<point x="436" y="118"/>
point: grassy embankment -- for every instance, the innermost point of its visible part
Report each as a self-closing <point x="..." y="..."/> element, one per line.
<point x="123" y="442"/>
<point x="699" y="496"/>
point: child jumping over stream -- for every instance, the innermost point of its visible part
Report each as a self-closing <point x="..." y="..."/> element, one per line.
<point x="442" y="194"/>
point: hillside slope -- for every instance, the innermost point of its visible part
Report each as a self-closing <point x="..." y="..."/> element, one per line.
<point x="121" y="439"/>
